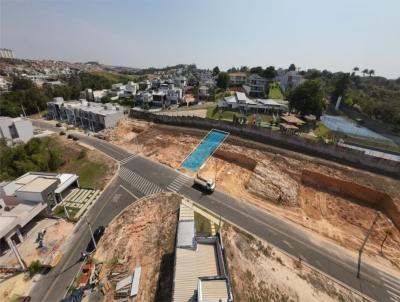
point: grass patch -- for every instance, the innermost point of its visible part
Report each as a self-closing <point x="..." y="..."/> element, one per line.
<point x="115" y="77"/>
<point x="275" y="91"/>
<point x="322" y="131"/>
<point x="91" y="173"/>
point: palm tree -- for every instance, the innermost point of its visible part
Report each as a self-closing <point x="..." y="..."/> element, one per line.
<point x="371" y="72"/>
<point x="365" y="71"/>
<point x="355" y="69"/>
<point x="387" y="233"/>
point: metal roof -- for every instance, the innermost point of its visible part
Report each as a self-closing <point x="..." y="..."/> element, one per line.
<point x="213" y="290"/>
<point x="186" y="234"/>
<point x="190" y="265"/>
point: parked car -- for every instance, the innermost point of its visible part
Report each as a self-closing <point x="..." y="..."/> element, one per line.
<point x="97" y="234"/>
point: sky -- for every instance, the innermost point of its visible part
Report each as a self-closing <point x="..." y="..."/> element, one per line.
<point x="335" y="35"/>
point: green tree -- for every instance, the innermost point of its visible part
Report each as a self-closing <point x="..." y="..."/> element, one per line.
<point x="21" y="84"/>
<point x="341" y="85"/>
<point x="292" y="67"/>
<point x="223" y="80"/>
<point x="244" y="69"/>
<point x="269" y="72"/>
<point x="365" y="71"/>
<point x="215" y="71"/>
<point x="371" y="72"/>
<point x="106" y="99"/>
<point x="307" y="98"/>
<point x="257" y="70"/>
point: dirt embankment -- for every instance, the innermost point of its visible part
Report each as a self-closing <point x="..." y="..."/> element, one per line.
<point x="143" y="235"/>
<point x="369" y="196"/>
<point x="271" y="179"/>
<point x="260" y="272"/>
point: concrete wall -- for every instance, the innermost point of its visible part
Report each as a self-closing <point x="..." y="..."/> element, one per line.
<point x="24" y="130"/>
<point x="369" y="196"/>
<point x="336" y="153"/>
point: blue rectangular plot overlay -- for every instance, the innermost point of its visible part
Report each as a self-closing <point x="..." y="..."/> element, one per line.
<point x="211" y="142"/>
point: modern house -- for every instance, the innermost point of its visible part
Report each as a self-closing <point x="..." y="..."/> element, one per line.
<point x="289" y="80"/>
<point x="200" y="267"/>
<point x="237" y="78"/>
<point x="239" y="101"/>
<point x="15" y="129"/>
<point x="204" y="92"/>
<point x="256" y="85"/>
<point x="180" y="82"/>
<point x="27" y="197"/>
<point x="174" y="95"/>
<point x="88" y="115"/>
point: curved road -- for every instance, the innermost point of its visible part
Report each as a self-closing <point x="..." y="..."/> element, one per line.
<point x="139" y="176"/>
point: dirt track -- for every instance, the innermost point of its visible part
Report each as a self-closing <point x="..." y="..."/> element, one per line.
<point x="271" y="178"/>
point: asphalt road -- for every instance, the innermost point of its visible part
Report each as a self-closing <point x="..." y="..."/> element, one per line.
<point x="140" y="176"/>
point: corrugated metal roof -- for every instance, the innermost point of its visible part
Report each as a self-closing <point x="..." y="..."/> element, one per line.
<point x="190" y="265"/>
<point x="213" y="290"/>
<point x="186" y="234"/>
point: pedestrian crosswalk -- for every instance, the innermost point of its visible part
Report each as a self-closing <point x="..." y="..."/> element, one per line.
<point x="142" y="184"/>
<point x="178" y="182"/>
<point x="126" y="159"/>
<point x="392" y="286"/>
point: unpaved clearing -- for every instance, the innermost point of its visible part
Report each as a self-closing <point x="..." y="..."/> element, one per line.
<point x="260" y="272"/>
<point x="13" y="287"/>
<point x="57" y="231"/>
<point x="272" y="179"/>
<point x="143" y="235"/>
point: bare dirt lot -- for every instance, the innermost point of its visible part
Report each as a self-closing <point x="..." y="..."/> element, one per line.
<point x="273" y="180"/>
<point x="143" y="235"/>
<point x="57" y="231"/>
<point x="260" y="272"/>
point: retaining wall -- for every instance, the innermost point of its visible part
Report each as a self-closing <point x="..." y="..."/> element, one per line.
<point x="371" y="197"/>
<point x="336" y="153"/>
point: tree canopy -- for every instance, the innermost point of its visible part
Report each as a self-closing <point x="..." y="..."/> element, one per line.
<point x="292" y="67"/>
<point x="307" y="98"/>
<point x="269" y="72"/>
<point x="215" y="71"/>
<point x="223" y="80"/>
<point x="36" y="155"/>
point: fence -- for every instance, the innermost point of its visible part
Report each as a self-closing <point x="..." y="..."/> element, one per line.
<point x="333" y="152"/>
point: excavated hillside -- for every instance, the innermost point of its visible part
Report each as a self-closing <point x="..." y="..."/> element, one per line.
<point x="272" y="179"/>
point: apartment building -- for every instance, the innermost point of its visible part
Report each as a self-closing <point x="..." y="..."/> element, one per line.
<point x="15" y="130"/>
<point x="84" y="114"/>
<point x="6" y="53"/>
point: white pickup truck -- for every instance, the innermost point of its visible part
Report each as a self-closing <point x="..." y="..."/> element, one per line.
<point x="205" y="185"/>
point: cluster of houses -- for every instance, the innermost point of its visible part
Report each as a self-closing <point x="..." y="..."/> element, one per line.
<point x="256" y="86"/>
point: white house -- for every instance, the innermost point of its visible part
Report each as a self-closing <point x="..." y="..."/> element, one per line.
<point x="255" y="85"/>
<point x="289" y="80"/>
<point x="174" y="95"/>
<point x="15" y="129"/>
<point x="241" y="102"/>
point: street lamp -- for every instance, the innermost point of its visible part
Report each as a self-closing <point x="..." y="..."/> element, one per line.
<point x="91" y="232"/>
<point x="365" y="241"/>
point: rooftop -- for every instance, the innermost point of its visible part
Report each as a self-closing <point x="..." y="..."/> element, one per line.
<point x="39" y="184"/>
<point x="291" y="119"/>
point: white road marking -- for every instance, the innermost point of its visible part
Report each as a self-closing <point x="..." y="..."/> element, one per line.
<point x="127" y="159"/>
<point x="178" y="183"/>
<point x="129" y="191"/>
<point x="142" y="184"/>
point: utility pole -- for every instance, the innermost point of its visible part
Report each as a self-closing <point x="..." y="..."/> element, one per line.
<point x="365" y="241"/>
<point x="91" y="232"/>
